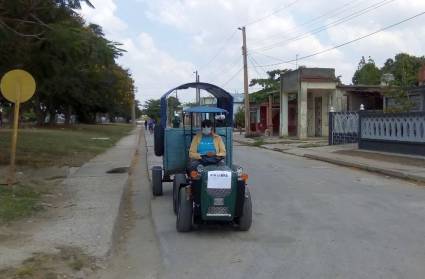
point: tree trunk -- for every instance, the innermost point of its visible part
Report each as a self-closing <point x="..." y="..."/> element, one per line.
<point x="52" y="120"/>
<point x="68" y="112"/>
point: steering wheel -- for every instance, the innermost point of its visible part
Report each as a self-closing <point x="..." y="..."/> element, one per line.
<point x="205" y="160"/>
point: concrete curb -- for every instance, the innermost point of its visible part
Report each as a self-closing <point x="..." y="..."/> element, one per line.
<point x="365" y="167"/>
<point x="392" y="173"/>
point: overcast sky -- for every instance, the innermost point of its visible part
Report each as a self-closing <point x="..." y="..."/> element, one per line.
<point x="166" y="40"/>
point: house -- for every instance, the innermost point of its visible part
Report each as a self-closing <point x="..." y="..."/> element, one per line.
<point x="265" y="115"/>
<point x="306" y="97"/>
<point x="370" y="96"/>
<point x="416" y="95"/>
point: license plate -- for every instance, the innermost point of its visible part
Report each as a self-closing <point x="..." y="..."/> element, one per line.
<point x="219" y="180"/>
<point x="218" y="201"/>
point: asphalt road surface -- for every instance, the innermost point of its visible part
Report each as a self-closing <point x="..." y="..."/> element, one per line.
<point x="310" y="220"/>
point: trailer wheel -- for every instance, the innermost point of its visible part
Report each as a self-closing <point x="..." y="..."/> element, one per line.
<point x="158" y="138"/>
<point x="157" y="181"/>
<point x="245" y="221"/>
<point x="185" y="211"/>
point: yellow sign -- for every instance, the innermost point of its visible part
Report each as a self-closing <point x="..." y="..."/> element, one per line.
<point x="18" y="86"/>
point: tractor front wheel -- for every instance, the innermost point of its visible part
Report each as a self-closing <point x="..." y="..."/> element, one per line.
<point x="245" y="221"/>
<point x="179" y="179"/>
<point x="185" y="211"/>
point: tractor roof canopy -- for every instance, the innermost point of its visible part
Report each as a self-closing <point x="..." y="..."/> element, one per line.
<point x="224" y="99"/>
<point x="204" y="109"/>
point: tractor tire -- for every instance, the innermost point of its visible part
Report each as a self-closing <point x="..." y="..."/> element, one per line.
<point x="245" y="221"/>
<point x="157" y="181"/>
<point x="158" y="140"/>
<point x="179" y="179"/>
<point x="185" y="212"/>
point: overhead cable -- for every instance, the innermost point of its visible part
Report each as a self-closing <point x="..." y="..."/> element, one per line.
<point x="348" y="42"/>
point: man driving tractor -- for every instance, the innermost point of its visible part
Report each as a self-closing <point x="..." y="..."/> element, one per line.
<point x="206" y="143"/>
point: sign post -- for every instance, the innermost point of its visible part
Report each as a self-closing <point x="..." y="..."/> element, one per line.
<point x="17" y="86"/>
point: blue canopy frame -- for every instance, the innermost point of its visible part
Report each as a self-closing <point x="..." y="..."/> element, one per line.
<point x="204" y="109"/>
<point x="224" y="99"/>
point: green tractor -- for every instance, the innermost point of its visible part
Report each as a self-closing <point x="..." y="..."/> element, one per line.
<point x="213" y="191"/>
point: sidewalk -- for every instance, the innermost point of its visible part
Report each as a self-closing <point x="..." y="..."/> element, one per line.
<point x="394" y="165"/>
<point x="88" y="221"/>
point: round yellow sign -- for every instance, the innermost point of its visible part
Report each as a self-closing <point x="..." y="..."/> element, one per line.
<point x="17" y="85"/>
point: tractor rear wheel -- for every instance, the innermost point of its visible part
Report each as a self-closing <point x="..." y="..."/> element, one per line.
<point x="157" y="181"/>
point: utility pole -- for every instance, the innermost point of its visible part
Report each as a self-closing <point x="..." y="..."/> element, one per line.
<point x="133" y="109"/>
<point x="245" y="83"/>
<point x="198" y="91"/>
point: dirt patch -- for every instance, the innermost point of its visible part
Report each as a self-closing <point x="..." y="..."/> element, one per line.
<point x="384" y="158"/>
<point x="68" y="263"/>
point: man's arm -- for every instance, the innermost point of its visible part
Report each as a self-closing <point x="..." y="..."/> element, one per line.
<point x="193" y="151"/>
<point x="221" y="147"/>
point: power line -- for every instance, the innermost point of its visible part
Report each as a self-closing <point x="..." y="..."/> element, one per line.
<point x="254" y="67"/>
<point x="223" y="46"/>
<point x="349" y="42"/>
<point x="220" y="72"/>
<point x="257" y="64"/>
<point x="327" y="26"/>
<point x="272" y="57"/>
<point x="286" y="6"/>
<point x="232" y="78"/>
<point x="345" y="6"/>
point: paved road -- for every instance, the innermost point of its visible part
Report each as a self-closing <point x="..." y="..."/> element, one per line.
<point x="311" y="220"/>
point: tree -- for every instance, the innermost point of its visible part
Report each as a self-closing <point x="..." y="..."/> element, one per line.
<point x="404" y="68"/>
<point x="152" y="108"/>
<point x="367" y="73"/>
<point x="269" y="85"/>
<point x="73" y="63"/>
<point x="240" y="117"/>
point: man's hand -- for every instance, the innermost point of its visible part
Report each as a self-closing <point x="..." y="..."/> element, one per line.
<point x="211" y="154"/>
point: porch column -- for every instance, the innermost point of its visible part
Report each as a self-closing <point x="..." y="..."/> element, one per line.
<point x="284" y="114"/>
<point x="270" y="115"/>
<point x="302" y="111"/>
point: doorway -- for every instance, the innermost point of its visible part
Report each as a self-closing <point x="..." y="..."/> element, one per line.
<point x="318" y="116"/>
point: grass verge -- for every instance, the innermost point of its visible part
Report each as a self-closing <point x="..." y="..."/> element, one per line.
<point x="61" y="146"/>
<point x="258" y="142"/>
<point x="65" y="264"/>
<point x="18" y="203"/>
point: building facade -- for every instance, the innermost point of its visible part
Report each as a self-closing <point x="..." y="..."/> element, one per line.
<point x="306" y="97"/>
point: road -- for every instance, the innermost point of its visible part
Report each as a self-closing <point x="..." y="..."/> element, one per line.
<point x="311" y="220"/>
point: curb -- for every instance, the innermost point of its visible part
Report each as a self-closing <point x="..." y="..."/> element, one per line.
<point x="391" y="173"/>
<point x="368" y="168"/>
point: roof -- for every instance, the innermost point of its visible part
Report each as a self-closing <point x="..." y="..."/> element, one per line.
<point x="205" y="109"/>
<point x="224" y="99"/>
<point x="361" y="89"/>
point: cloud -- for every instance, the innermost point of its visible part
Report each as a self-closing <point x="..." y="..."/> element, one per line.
<point x="104" y="15"/>
<point x="211" y="25"/>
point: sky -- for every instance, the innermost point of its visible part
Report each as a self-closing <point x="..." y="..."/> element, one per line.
<point x="167" y="40"/>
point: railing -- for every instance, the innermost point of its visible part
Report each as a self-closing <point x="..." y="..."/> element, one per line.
<point x="408" y="127"/>
<point x="343" y="127"/>
<point x="393" y="132"/>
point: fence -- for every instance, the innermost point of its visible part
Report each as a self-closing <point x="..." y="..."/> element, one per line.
<point x="395" y="132"/>
<point x="343" y="127"/>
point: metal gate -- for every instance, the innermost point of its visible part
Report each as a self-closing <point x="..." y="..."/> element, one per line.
<point x="343" y="127"/>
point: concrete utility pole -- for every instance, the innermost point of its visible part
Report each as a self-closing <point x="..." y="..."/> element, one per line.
<point x="198" y="91"/>
<point x="245" y="83"/>
<point x="133" y="111"/>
